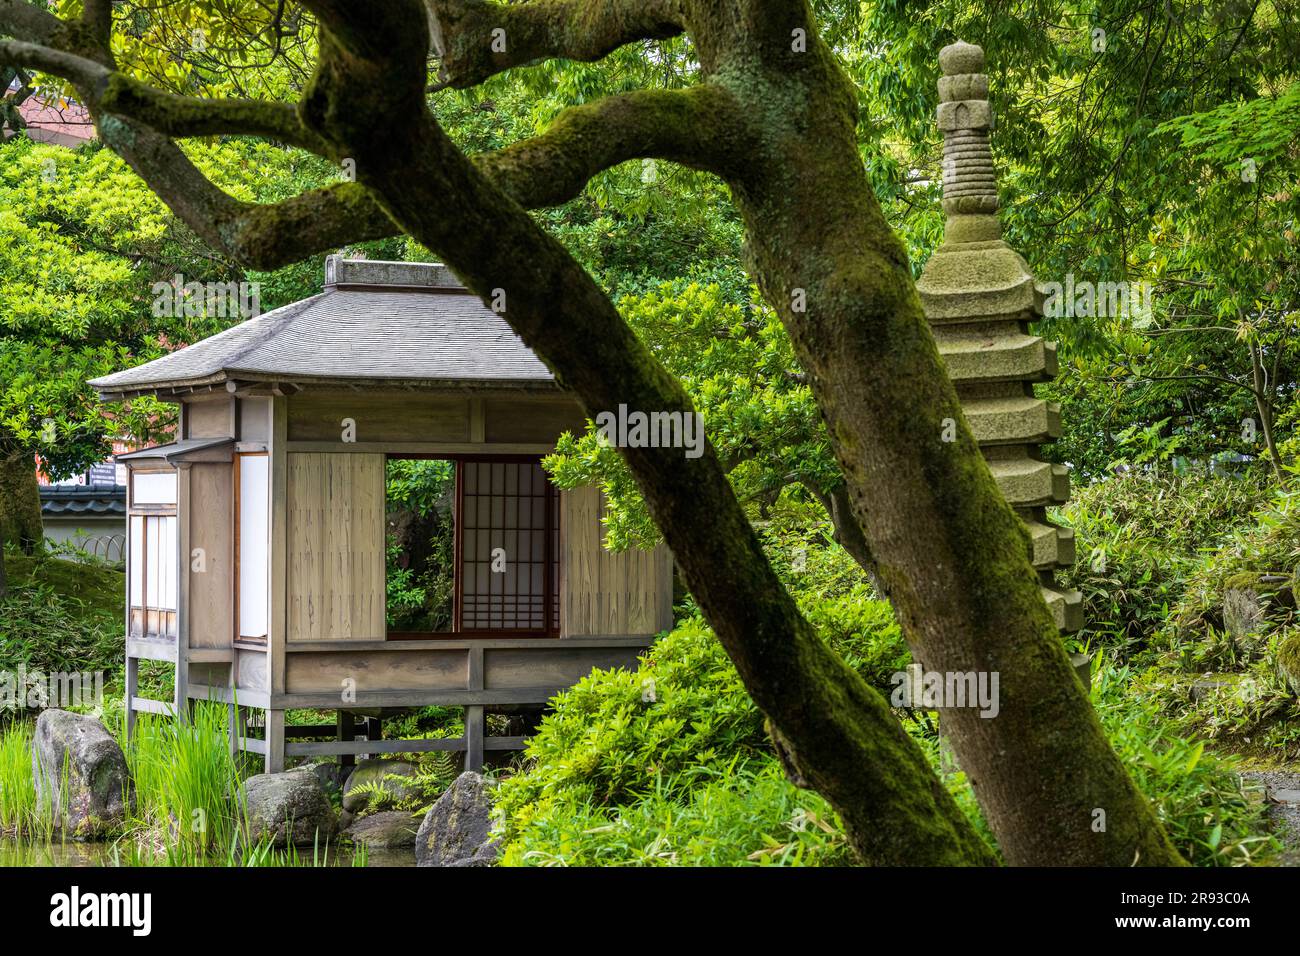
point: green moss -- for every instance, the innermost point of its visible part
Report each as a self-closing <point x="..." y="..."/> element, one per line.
<point x="102" y="589"/>
<point x="1288" y="661"/>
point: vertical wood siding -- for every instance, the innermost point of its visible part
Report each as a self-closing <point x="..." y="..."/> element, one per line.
<point x="335" y="518"/>
<point x="604" y="593"/>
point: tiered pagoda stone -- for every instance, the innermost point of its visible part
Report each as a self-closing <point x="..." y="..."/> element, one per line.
<point x="980" y="297"/>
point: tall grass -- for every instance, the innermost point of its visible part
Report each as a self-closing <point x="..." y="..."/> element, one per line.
<point x="18" y="812"/>
<point x="187" y="794"/>
<point x="187" y="807"/>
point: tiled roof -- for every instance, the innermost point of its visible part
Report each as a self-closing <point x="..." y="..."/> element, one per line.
<point x="59" y="500"/>
<point x="375" y="321"/>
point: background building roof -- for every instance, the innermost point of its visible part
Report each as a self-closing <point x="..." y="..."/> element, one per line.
<point x="95" y="500"/>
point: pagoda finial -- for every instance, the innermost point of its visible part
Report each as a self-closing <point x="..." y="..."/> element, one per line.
<point x="970" y="185"/>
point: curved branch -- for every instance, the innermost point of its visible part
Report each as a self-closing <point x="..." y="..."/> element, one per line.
<point x="21" y="19"/>
<point x="183" y="116"/>
<point x="108" y="91"/>
<point x="701" y="127"/>
<point x="477" y="39"/>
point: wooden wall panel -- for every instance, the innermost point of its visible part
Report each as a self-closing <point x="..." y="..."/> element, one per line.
<point x="374" y="672"/>
<point x="556" y="666"/>
<point x="254" y="419"/>
<point x="335" y="528"/>
<point x="211" y="517"/>
<point x="250" y="670"/>
<point x="408" y="417"/>
<point x="603" y="593"/>
<point x="531" y="419"/>
<point x="209" y="418"/>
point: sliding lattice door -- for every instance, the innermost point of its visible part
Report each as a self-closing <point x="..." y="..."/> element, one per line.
<point x="507" y="567"/>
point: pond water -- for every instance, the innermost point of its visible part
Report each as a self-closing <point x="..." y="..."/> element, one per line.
<point x="22" y="853"/>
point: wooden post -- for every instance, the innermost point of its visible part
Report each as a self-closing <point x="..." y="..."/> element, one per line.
<point x="182" y="692"/>
<point x="274" y="741"/>
<point x="275" y="650"/>
<point x="345" y="726"/>
<point x="475" y="723"/>
<point x="475" y="730"/>
<point x="132" y="681"/>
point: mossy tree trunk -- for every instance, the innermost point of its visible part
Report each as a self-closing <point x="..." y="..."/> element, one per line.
<point x="775" y="119"/>
<point x="20" y="502"/>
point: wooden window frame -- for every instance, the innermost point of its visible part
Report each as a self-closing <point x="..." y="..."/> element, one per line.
<point x="145" y="513"/>
<point x="551" y="576"/>
<point x="238" y="639"/>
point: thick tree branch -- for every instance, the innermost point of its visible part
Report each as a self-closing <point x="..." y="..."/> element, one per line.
<point x="700" y="127"/>
<point x="476" y="39"/>
<point x="97" y="16"/>
<point x="108" y="91"/>
<point x="183" y="116"/>
<point x="20" y="19"/>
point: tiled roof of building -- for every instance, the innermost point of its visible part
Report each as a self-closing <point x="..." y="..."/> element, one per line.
<point x="98" y="499"/>
<point x="374" y="322"/>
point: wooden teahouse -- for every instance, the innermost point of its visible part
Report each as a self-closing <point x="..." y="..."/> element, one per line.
<point x="256" y="540"/>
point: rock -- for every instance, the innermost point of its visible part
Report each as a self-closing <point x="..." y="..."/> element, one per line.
<point x="330" y="774"/>
<point x="289" y="807"/>
<point x="1288" y="661"/>
<point x="392" y="828"/>
<point x="1282" y="790"/>
<point x="374" y="772"/>
<point x="81" y="772"/>
<point x="455" y="831"/>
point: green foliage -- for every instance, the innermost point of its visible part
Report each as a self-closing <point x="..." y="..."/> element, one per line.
<point x="1200" y="800"/>
<point x="435" y="772"/>
<point x="669" y="765"/>
<point x="612" y="729"/>
<point x="185" y="778"/>
<point x="420" y="552"/>
<point x="1140" y="539"/>
<point x="18" y="808"/>
<point x="738" y="365"/>
<point x="800" y="543"/>
<point x="1268" y="548"/>
<point x="60" y="616"/>
<point x="863" y="631"/>
<point x="627" y="757"/>
<point x="748" y="815"/>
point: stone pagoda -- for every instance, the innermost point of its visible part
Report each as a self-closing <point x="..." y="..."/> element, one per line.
<point x="979" y="297"/>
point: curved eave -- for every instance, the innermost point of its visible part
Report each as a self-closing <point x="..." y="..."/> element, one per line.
<point x="236" y="381"/>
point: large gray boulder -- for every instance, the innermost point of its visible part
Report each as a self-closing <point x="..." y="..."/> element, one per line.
<point x="80" y="773"/>
<point x="455" y="830"/>
<point x="384" y="831"/>
<point x="377" y="773"/>
<point x="287" y="808"/>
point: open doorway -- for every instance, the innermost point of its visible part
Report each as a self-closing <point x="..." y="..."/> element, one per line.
<point x="472" y="548"/>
